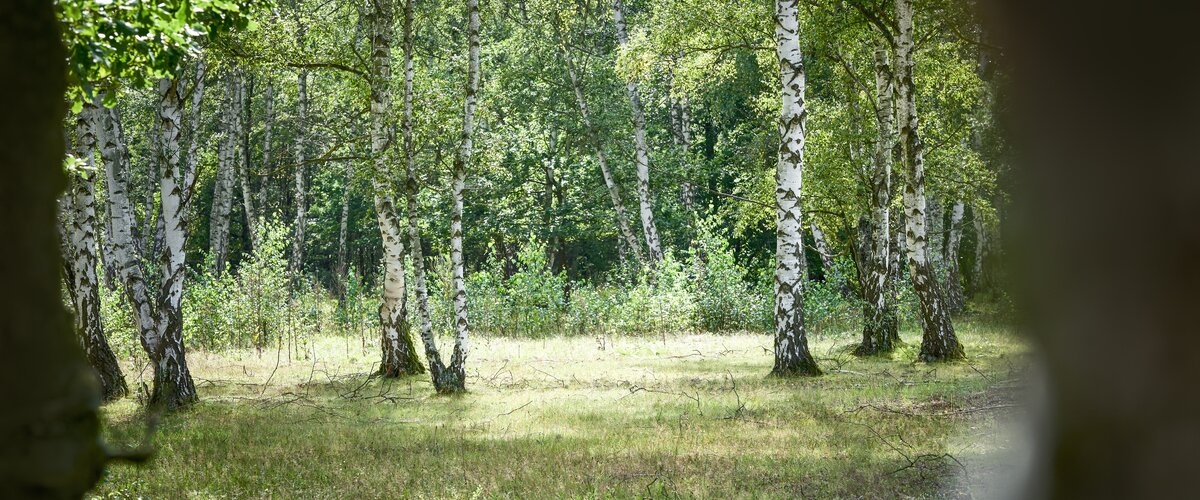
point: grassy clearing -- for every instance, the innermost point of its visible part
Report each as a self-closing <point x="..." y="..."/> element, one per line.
<point x="690" y="415"/>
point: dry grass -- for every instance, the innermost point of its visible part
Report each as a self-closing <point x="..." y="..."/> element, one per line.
<point x="689" y="416"/>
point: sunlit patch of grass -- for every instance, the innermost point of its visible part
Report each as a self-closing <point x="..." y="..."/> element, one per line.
<point x="691" y="415"/>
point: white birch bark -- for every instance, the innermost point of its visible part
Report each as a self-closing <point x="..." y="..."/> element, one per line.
<point x="399" y="355"/>
<point x="880" y="325"/>
<point x="173" y="386"/>
<point x="425" y="324"/>
<point x="614" y="191"/>
<point x="981" y="246"/>
<point x="84" y="282"/>
<point x="822" y="247"/>
<point x="455" y="375"/>
<point x="938" y="340"/>
<point x="791" y="342"/>
<point x="954" y="288"/>
<point x="341" y="270"/>
<point x="301" y="193"/>
<point x="222" y="202"/>
<point x="127" y="260"/>
<point x="244" y="88"/>
<point x="641" y="149"/>
<point x="268" y="124"/>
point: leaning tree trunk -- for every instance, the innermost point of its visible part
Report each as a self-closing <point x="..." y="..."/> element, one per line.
<point x="822" y="249"/>
<point x="244" y="90"/>
<point x="954" y="286"/>
<point x="50" y="422"/>
<point x="791" y="342"/>
<point x="173" y="386"/>
<point x="614" y="191"/>
<point x="399" y="353"/>
<point x="85" y="283"/>
<point x="642" y="150"/>
<point x="222" y="202"/>
<point x="437" y="369"/>
<point x="126" y="257"/>
<point x="880" y="325"/>
<point x="454" y="378"/>
<point x="938" y="341"/>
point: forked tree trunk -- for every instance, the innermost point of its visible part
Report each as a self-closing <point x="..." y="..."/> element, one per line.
<point x="954" y="288"/>
<point x="880" y="325"/>
<point x="791" y="341"/>
<point x="173" y="386"/>
<point x="399" y="355"/>
<point x="614" y="191"/>
<point x="85" y="284"/>
<point x="938" y="341"/>
<point x="50" y="422"/>
<point x="222" y="202"/>
<point x="641" y="149"/>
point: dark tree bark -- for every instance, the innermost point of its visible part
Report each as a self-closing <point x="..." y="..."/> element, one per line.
<point x="50" y="425"/>
<point x="1118" y="332"/>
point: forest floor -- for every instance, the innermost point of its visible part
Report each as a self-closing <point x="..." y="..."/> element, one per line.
<point x="680" y="416"/>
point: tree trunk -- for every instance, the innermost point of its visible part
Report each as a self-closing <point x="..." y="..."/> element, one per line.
<point x="938" y="341"/>
<point x="954" y="287"/>
<point x="550" y="202"/>
<point x="454" y="378"/>
<point x="981" y="247"/>
<point x="880" y="325"/>
<point x="341" y="270"/>
<point x="127" y="260"/>
<point x="437" y="368"/>
<point x="245" y="91"/>
<point x="50" y="422"/>
<point x="642" y="150"/>
<point x="399" y="354"/>
<point x="173" y="386"/>
<point x="822" y="249"/>
<point x="222" y="202"/>
<point x="614" y="191"/>
<point x="85" y="283"/>
<point x="791" y="342"/>
<point x="300" y="195"/>
<point x="268" y="124"/>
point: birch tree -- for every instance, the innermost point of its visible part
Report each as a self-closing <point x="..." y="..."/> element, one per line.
<point x="938" y="341"/>
<point x="81" y="243"/>
<point x="954" y="286"/>
<point x="301" y="193"/>
<point x="641" y="149"/>
<point x="399" y="354"/>
<point x="593" y="136"/>
<point x="173" y="386"/>
<point x="880" y="326"/>
<point x="791" y="341"/>
<point x="222" y="202"/>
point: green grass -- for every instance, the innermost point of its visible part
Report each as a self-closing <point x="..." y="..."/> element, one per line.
<point x="684" y="416"/>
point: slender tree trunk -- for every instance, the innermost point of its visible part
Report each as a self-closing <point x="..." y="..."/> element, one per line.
<point x="454" y="378"/>
<point x="85" y="283"/>
<point x="682" y="134"/>
<point x="822" y="249"/>
<point x="614" y="191"/>
<point x="268" y="124"/>
<point x="642" y="150"/>
<point x="244" y="164"/>
<point x="954" y="288"/>
<point x="437" y="368"/>
<point x="938" y="341"/>
<point x="549" y="197"/>
<point x="791" y="342"/>
<point x="222" y="202"/>
<point x="50" y="422"/>
<point x="297" y="263"/>
<point x="340" y="271"/>
<point x="880" y="325"/>
<point x="173" y="386"/>
<point x="399" y="353"/>
<point x="981" y="248"/>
